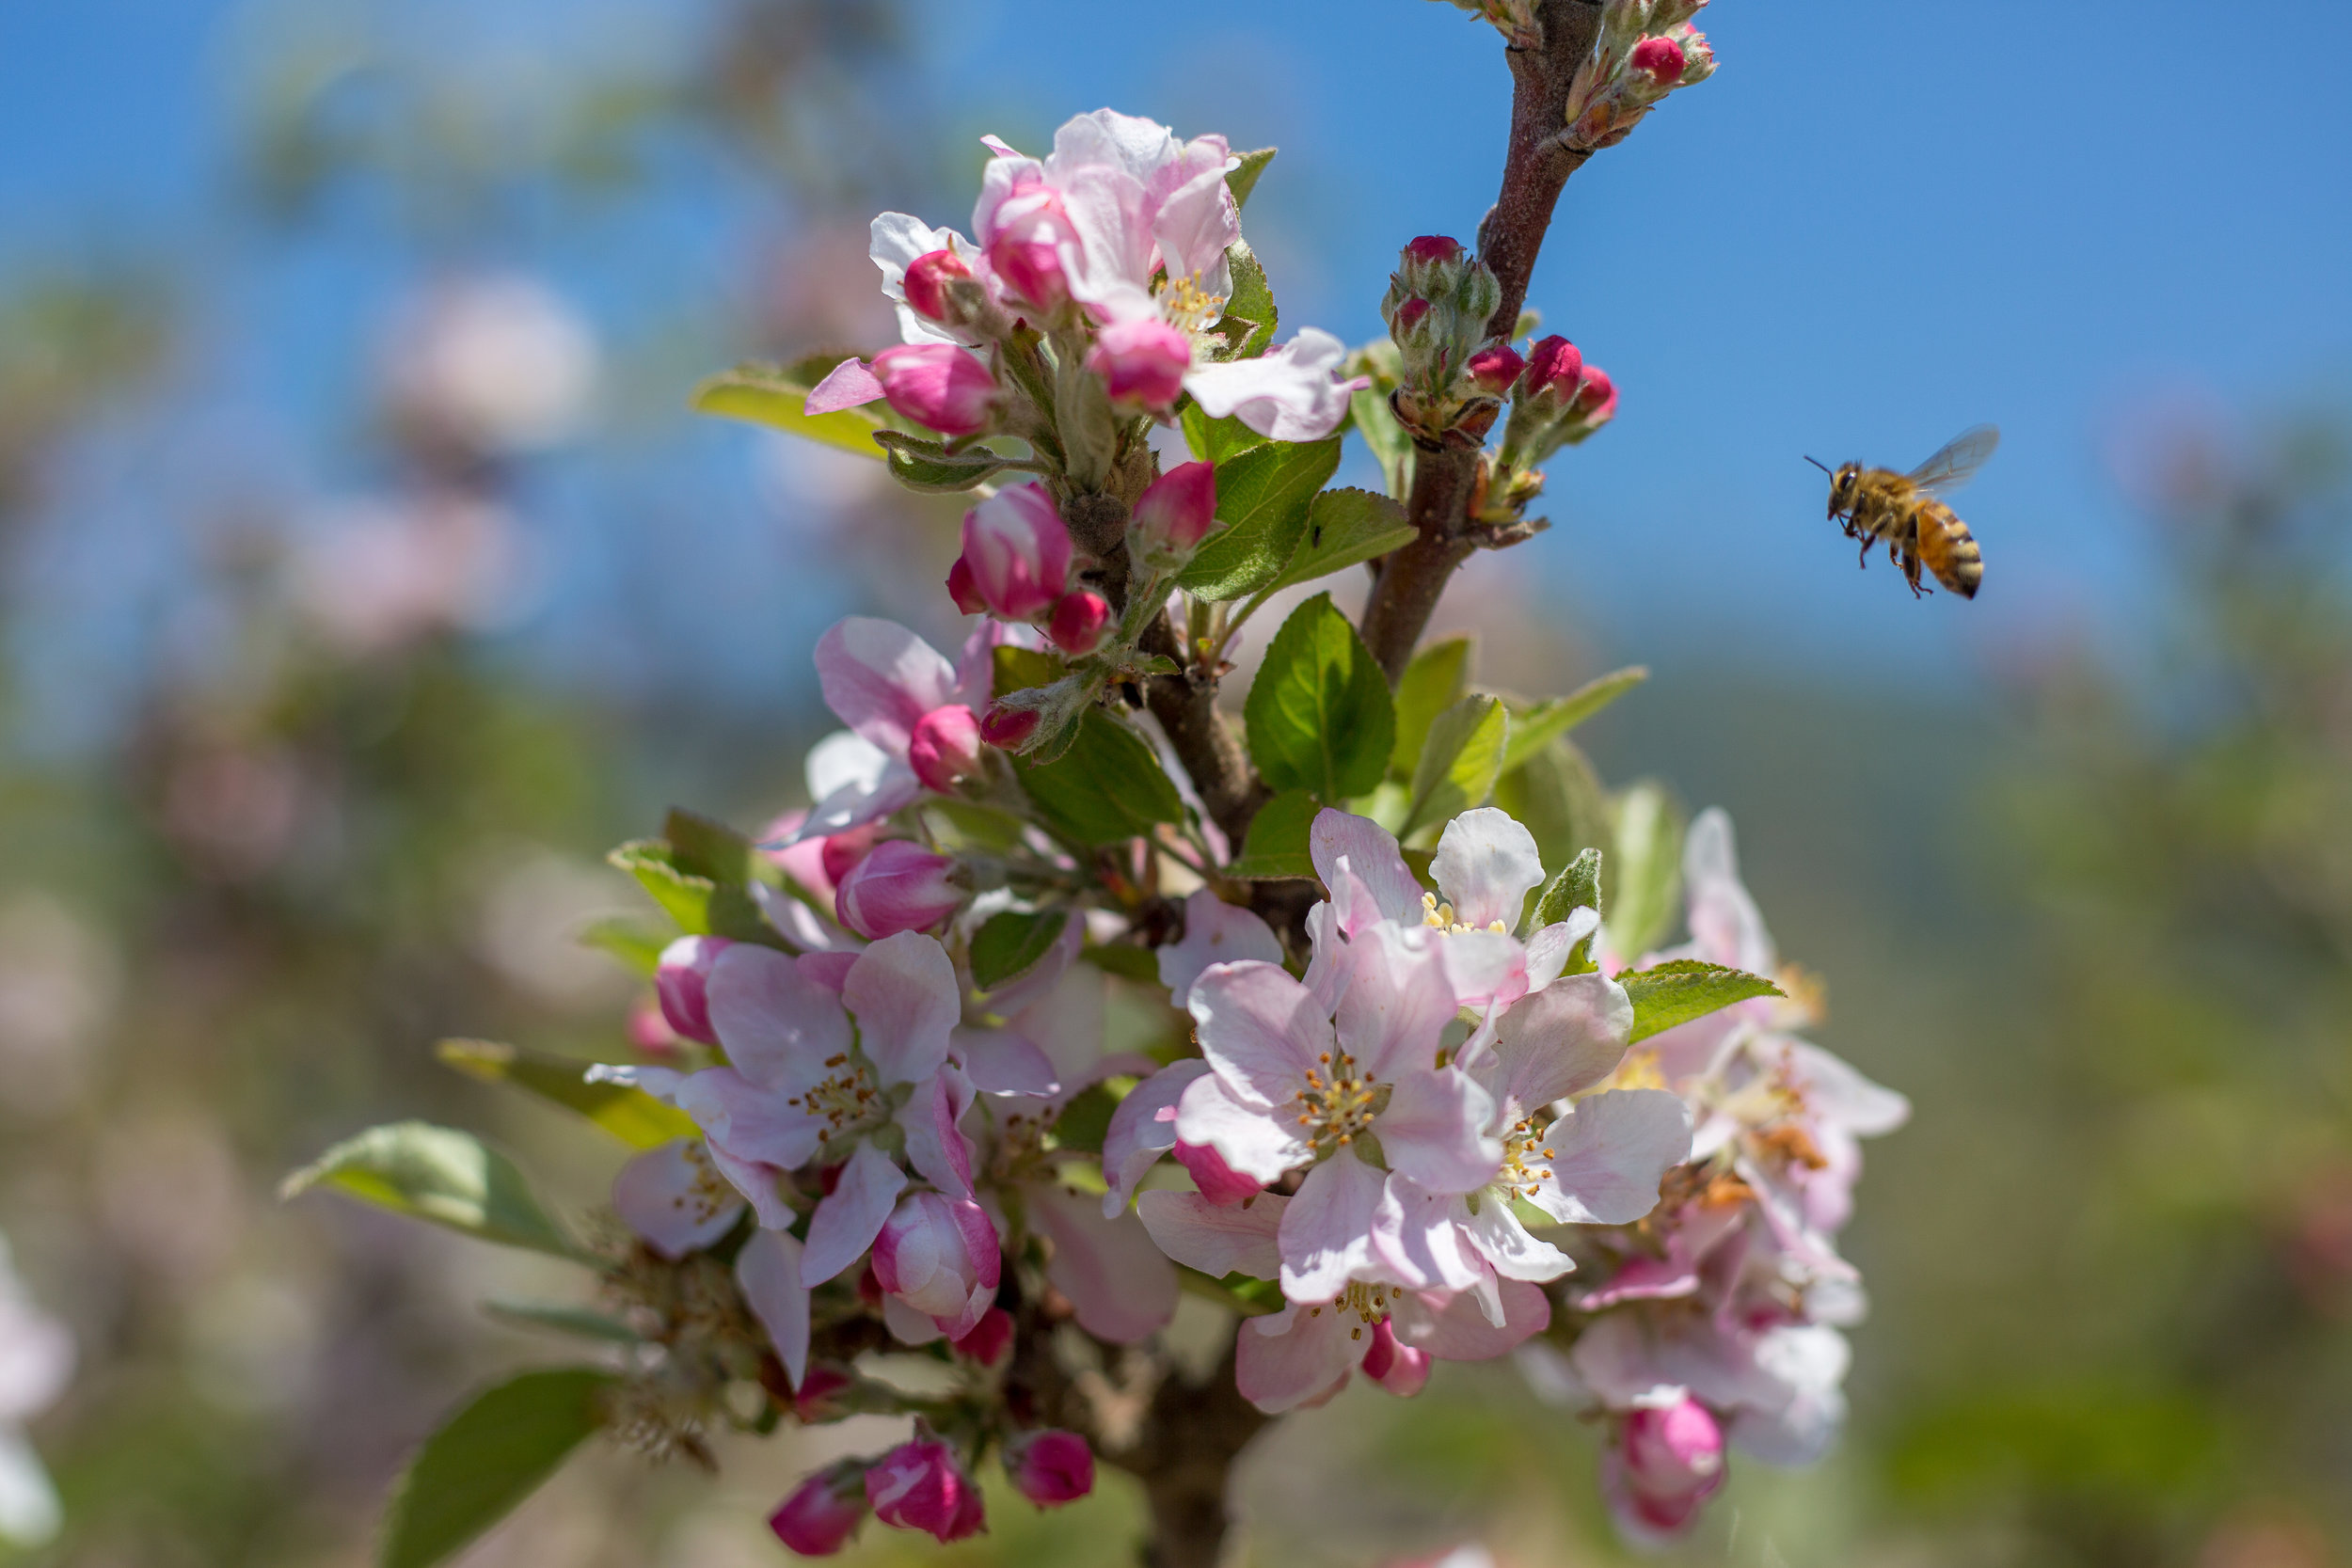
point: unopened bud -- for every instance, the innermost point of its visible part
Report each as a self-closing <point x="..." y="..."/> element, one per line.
<point x="1596" y="401"/>
<point x="1174" y="513"/>
<point x="919" y="1485"/>
<point x="1080" y="623"/>
<point x="988" y="1340"/>
<point x="937" y="384"/>
<point x="1008" y="728"/>
<point x="1496" y="368"/>
<point x="945" y="748"/>
<point x="897" y="887"/>
<point x="1142" y="363"/>
<point x="927" y="280"/>
<point x="1662" y="1467"/>
<point x="1699" y="56"/>
<point x="940" y="1256"/>
<point x="823" y="1511"/>
<point x="1050" y="1467"/>
<point x="681" y="980"/>
<point x="1554" y="364"/>
<point x="1016" y="553"/>
<point x="839" y="853"/>
<point x="961" y="589"/>
<point x="1400" y="1369"/>
<point x="1659" y="59"/>
<point x="1409" y="315"/>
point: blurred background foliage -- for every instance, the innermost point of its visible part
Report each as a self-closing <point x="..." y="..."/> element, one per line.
<point x="318" y="726"/>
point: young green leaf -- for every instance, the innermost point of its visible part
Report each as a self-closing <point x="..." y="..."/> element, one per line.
<point x="1242" y="180"/>
<point x="1019" y="669"/>
<point x="930" y="468"/>
<point x="1011" y="941"/>
<point x="1459" y="762"/>
<point x="437" y="1174"/>
<point x="772" y="395"/>
<point x="490" y="1456"/>
<point x="630" y="1114"/>
<point x="1345" y="527"/>
<point x="1367" y="410"/>
<point x="1577" y="887"/>
<point x="1262" y="496"/>
<point x="702" y="904"/>
<point x="703" y="847"/>
<point x="1645" y="884"/>
<point x="1276" y="843"/>
<point x="1438" y="679"/>
<point x="1535" y="726"/>
<point x="1216" y="440"/>
<point x="1250" y="320"/>
<point x="637" y="944"/>
<point x="1106" y="788"/>
<point x="1319" y="714"/>
<point x="1667" y="994"/>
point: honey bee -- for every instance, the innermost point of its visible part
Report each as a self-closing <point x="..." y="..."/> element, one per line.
<point x="1904" y="509"/>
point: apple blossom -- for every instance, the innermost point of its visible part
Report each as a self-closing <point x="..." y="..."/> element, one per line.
<point x="675" y="1197"/>
<point x="925" y="280"/>
<point x="919" y="1485"/>
<point x="937" y="384"/>
<point x="1016" y="552"/>
<point x="824" y="1511"/>
<point x="1142" y="362"/>
<point x="885" y="684"/>
<point x="945" y="748"/>
<point x="898" y="886"/>
<point x="941" y="1256"/>
<point x="1663" y="1462"/>
<point x="1050" y="1467"/>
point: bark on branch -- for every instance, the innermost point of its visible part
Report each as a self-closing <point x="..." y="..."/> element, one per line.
<point x="1535" y="168"/>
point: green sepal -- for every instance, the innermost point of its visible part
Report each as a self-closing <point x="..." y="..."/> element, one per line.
<point x="928" y="468"/>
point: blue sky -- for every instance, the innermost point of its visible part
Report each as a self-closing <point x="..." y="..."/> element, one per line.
<point x="1875" y="226"/>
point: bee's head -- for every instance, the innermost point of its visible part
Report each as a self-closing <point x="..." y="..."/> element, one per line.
<point x="1841" y="484"/>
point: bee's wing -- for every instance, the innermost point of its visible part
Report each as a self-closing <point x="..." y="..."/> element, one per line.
<point x="1958" y="462"/>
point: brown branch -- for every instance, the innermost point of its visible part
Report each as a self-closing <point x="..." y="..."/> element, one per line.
<point x="1184" y="1456"/>
<point x="1535" y="168"/>
<point x="1185" y="706"/>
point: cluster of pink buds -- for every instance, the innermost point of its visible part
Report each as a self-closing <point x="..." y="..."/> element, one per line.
<point x="1557" y="400"/>
<point x="1450" y="375"/>
<point x="923" y="1485"/>
<point x="1647" y="49"/>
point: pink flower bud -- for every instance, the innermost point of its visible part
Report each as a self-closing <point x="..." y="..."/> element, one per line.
<point x="1008" y="728"/>
<point x="1023" y="238"/>
<point x="1497" y="369"/>
<point x="817" y="1400"/>
<point x="1142" y="362"/>
<point x="960" y="588"/>
<point x="648" y="1029"/>
<point x="681" y="980"/>
<point x="1431" y="248"/>
<point x="926" y="278"/>
<point x="1664" y="1465"/>
<point x="1555" y="363"/>
<point x="823" y="1511"/>
<point x="1596" y="398"/>
<point x="989" y="1340"/>
<point x="1398" y="1368"/>
<point x="945" y="748"/>
<point x="1177" y="511"/>
<point x="1659" y="59"/>
<point x="1016" y="552"/>
<point x="1050" y="1467"/>
<point x="941" y="1257"/>
<point x="897" y="887"/>
<point x="1219" y="1182"/>
<point x="919" y="1485"/>
<point x="1080" y="620"/>
<point x="837" y="854"/>
<point x="937" y="384"/>
<point x="1410" y="314"/>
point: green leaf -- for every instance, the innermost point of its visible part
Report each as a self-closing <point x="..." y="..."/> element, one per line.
<point x="1345" y="527"/>
<point x="1556" y="796"/>
<point x="1645" y="883"/>
<point x="437" y="1174"/>
<point x="1534" y="727"/>
<point x="1459" y="762"/>
<point x="1276" y="843"/>
<point x="1085" y="1120"/>
<point x="1019" y="669"/>
<point x="1577" y="887"/>
<point x="1106" y="788"/>
<point x="630" y="1114"/>
<point x="1671" y="993"/>
<point x="1126" y="960"/>
<point x="702" y="904"/>
<point x="930" y="467"/>
<point x="637" y="944"/>
<point x="1367" y="410"/>
<point x="1215" y="440"/>
<point x="704" y="846"/>
<point x="774" y="395"/>
<point x="1319" y="714"/>
<point x="1244" y="180"/>
<point x="1262" y="497"/>
<point x="490" y="1456"/>
<point x="1438" y="679"/>
<point x="1250" y="320"/>
<point x="557" y="1318"/>
<point x="1011" y="941"/>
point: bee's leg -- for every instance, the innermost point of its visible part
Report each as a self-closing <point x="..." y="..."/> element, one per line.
<point x="1865" y="562"/>
<point x="1910" y="575"/>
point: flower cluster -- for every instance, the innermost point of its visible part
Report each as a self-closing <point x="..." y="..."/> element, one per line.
<point x="1647" y="49"/>
<point x="1718" y="1319"/>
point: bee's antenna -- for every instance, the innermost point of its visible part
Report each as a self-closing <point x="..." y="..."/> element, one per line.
<point x="1818" y="464"/>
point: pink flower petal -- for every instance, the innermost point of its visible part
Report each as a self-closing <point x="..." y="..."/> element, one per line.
<point x="1122" y="1287"/>
<point x="1000" y="1062"/>
<point x="939" y="1152"/>
<point x="1143" y="1129"/>
<point x="1499" y="1237"/>
<point x="1559" y="1041"/>
<point x="1415" y="1235"/>
<point x="1252" y="1140"/>
<point x="1300" y="1352"/>
<point x="777" y="1026"/>
<point x="848" y="385"/>
<point x="1370" y="852"/>
<point x="847" y="1221"/>
<point x="1609" y="1154"/>
<point x="1215" y="1240"/>
<point x="1325" y="1232"/>
<point x="1293" y="393"/>
<point x="676" y="1199"/>
<point x="881" y="679"/>
<point x="1455" y="1328"/>
<point x="1261" y="1030"/>
<point x="769" y="1271"/>
<point x="903" y="992"/>
<point x="1398" y="1003"/>
<point x="1486" y="866"/>
<point x="1435" y="1132"/>
<point x="1215" y="932"/>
